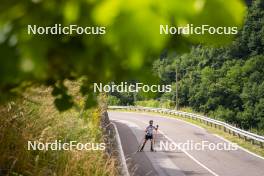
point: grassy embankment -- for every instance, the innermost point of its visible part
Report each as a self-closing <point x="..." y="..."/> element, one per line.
<point x="34" y="118"/>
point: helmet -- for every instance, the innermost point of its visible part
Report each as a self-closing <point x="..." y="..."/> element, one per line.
<point x="151" y="122"/>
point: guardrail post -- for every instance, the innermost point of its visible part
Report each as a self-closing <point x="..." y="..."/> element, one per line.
<point x="239" y="135"/>
<point x="245" y="137"/>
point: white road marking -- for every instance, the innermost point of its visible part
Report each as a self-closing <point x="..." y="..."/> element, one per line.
<point x="123" y="159"/>
<point x="162" y="163"/>
<point x="188" y="154"/>
<point x="254" y="154"/>
<point x="260" y="157"/>
<point x="184" y="151"/>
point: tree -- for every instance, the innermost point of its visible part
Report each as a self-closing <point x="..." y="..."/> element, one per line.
<point x="126" y="50"/>
<point x="250" y="41"/>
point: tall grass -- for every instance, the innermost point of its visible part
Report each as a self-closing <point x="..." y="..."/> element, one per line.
<point x="34" y="118"/>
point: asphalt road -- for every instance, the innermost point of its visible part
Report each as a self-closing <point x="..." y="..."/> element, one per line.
<point x="180" y="161"/>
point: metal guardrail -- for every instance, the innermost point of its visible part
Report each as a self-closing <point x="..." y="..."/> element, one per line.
<point x="248" y="136"/>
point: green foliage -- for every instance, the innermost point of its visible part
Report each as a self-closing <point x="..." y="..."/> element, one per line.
<point x="63" y="101"/>
<point x="131" y="42"/>
<point x="226" y="83"/>
<point x="112" y="100"/>
<point x="125" y="98"/>
<point x="155" y="103"/>
<point x="250" y="42"/>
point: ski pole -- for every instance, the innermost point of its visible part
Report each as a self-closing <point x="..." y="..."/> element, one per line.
<point x="140" y="143"/>
<point x="154" y="139"/>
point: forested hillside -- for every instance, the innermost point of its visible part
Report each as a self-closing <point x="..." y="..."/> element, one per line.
<point x="227" y="83"/>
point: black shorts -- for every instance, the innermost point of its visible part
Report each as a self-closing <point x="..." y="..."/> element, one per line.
<point x="148" y="137"/>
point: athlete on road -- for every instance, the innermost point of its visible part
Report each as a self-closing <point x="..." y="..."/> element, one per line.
<point x="149" y="135"/>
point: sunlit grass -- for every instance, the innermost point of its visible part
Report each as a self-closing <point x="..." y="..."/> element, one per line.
<point x="33" y="117"/>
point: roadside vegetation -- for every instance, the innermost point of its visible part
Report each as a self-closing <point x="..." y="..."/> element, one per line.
<point x="225" y="83"/>
<point x="55" y="109"/>
<point x="33" y="117"/>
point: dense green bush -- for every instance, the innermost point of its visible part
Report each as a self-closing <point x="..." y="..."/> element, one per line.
<point x="112" y="100"/>
<point x="155" y="103"/>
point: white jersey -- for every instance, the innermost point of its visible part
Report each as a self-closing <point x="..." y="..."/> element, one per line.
<point x="149" y="129"/>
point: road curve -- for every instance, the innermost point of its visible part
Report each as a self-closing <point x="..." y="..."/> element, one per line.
<point x="176" y="162"/>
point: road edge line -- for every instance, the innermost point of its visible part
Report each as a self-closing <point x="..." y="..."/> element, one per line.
<point x="242" y="148"/>
<point x="164" y="116"/>
<point x="123" y="159"/>
<point x="190" y="156"/>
